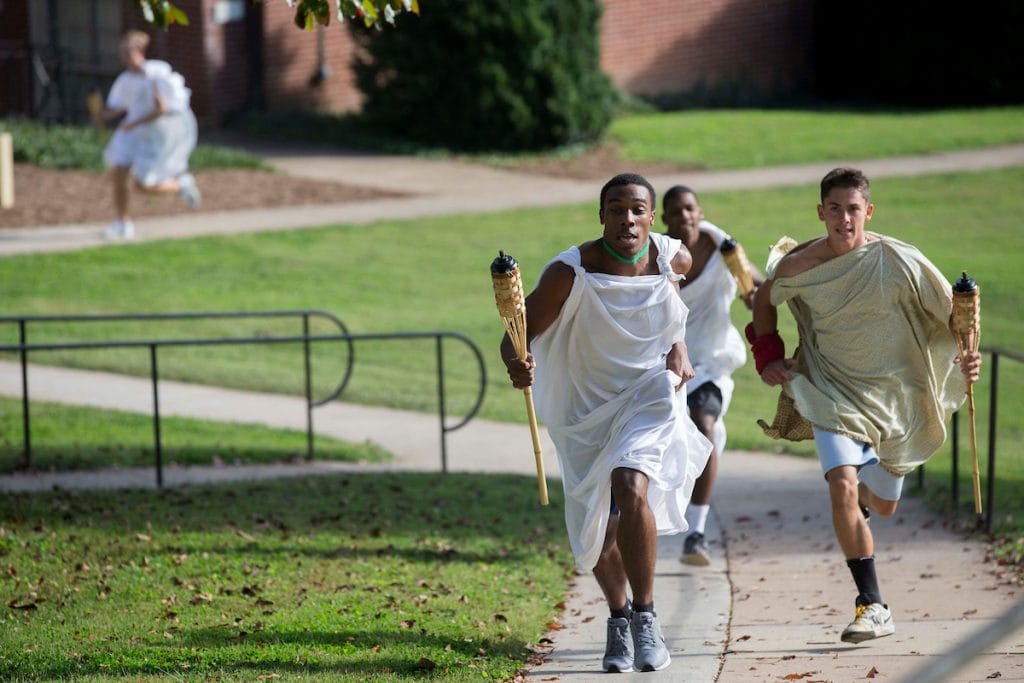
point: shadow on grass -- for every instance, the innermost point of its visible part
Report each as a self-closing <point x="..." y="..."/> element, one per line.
<point x="75" y="457"/>
<point x="325" y="512"/>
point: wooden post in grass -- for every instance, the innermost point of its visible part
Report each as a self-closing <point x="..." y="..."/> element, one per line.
<point x="6" y="171"/>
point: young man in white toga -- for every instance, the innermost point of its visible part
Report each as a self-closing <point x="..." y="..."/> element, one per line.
<point x="607" y="362"/>
<point x="156" y="135"/>
<point x="715" y="346"/>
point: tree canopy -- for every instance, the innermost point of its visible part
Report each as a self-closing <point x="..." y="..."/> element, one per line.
<point x="308" y="13"/>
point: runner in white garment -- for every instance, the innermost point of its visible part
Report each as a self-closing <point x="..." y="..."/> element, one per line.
<point x="714" y="344"/>
<point x="607" y="330"/>
<point x="156" y="136"/>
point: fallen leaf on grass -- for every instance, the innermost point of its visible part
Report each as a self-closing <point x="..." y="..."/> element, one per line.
<point x="201" y="598"/>
<point x="407" y="623"/>
<point x="14" y="604"/>
<point x="425" y="664"/>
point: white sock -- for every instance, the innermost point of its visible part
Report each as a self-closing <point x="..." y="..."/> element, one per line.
<point x="697" y="517"/>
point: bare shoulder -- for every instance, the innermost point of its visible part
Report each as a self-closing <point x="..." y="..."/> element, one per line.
<point x="802" y="258"/>
<point x="555" y="282"/>
<point x="682" y="260"/>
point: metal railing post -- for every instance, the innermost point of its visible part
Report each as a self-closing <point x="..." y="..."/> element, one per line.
<point x="954" y="488"/>
<point x="440" y="403"/>
<point x="990" y="485"/>
<point x="26" y="421"/>
<point x="158" y="449"/>
<point x="309" y="386"/>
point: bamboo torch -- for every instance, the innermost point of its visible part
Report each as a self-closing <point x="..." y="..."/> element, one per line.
<point x="508" y="294"/>
<point x="966" y="324"/>
<point x="94" y="102"/>
<point x="736" y="260"/>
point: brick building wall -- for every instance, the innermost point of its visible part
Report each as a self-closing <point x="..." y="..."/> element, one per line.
<point x="213" y="57"/>
<point x="648" y="47"/>
<point x="670" y="46"/>
<point x="292" y="58"/>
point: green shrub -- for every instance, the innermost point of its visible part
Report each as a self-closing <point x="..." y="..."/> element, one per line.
<point x="489" y="75"/>
<point x="81" y="148"/>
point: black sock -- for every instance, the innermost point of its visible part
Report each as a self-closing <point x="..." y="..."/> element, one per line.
<point x="863" y="570"/>
<point x="649" y="607"/>
<point x="625" y="613"/>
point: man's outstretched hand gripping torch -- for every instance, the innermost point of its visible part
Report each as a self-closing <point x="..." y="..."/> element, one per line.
<point x="966" y="324"/>
<point x="508" y="294"/>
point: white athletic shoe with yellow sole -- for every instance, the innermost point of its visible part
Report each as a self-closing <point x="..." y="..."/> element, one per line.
<point x="871" y="621"/>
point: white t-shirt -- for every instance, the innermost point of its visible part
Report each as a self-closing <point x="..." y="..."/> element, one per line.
<point x="134" y="93"/>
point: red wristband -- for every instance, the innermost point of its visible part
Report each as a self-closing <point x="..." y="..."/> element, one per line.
<point x="767" y="348"/>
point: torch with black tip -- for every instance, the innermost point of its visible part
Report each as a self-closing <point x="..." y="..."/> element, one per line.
<point x="966" y="324"/>
<point x="508" y="294"/>
<point x="736" y="260"/>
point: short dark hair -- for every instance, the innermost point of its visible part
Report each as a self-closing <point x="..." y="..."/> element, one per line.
<point x="846" y="177"/>
<point x="628" y="179"/>
<point x="675" y="191"/>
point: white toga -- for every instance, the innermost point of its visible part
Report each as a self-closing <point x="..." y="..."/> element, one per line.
<point x="713" y="343"/>
<point x="608" y="400"/>
<point x="160" y="149"/>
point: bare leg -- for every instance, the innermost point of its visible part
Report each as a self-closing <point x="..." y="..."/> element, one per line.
<point x="168" y="186"/>
<point x="868" y="499"/>
<point x="637" y="537"/>
<point x="119" y="178"/>
<point x="852" y="530"/>
<point x="609" y="572"/>
<point x="702" y="487"/>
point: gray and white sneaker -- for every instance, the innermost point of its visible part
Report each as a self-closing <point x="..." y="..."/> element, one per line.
<point x="618" y="650"/>
<point x="188" y="190"/>
<point x="119" y="230"/>
<point x="650" y="653"/>
<point x="695" y="550"/>
<point x="870" y="621"/>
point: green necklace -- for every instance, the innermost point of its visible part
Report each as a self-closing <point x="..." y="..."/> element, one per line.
<point x="626" y="260"/>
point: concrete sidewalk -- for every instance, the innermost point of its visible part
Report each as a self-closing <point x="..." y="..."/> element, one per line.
<point x="770" y="607"/>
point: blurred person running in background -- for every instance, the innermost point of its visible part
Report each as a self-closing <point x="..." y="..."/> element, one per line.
<point x="156" y="135"/>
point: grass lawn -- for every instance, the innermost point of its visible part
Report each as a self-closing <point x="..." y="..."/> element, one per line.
<point x="961" y="221"/>
<point x="747" y="138"/>
<point x="380" y="577"/>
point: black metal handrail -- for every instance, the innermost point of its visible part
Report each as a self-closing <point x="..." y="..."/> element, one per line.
<point x="23" y="321"/>
<point x="153" y="344"/>
<point x="996" y="352"/>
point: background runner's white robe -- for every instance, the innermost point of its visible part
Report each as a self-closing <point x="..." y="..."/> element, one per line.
<point x="608" y="401"/>
<point x="160" y="149"/>
<point x="714" y="344"/>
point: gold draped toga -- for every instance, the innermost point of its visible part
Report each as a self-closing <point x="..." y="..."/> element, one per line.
<point x="876" y="356"/>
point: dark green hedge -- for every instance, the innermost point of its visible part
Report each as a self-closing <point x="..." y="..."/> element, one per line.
<point x="489" y="75"/>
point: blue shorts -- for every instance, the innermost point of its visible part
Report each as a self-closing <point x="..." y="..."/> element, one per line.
<point x="836" y="450"/>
